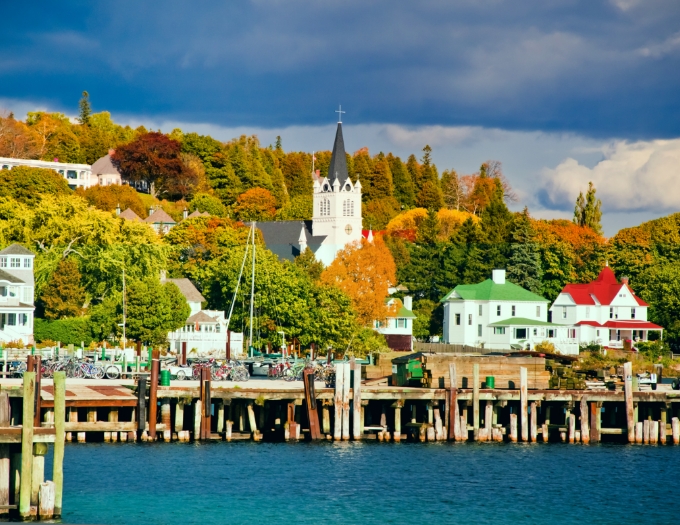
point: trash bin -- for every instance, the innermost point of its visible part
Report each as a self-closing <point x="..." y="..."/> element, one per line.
<point x="490" y="382"/>
<point x="165" y="377"/>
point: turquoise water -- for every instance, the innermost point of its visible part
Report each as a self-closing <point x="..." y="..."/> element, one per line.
<point x="369" y="483"/>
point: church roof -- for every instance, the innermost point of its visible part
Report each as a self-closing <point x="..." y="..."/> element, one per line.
<point x="338" y="166"/>
<point x="283" y="237"/>
<point x="189" y="291"/>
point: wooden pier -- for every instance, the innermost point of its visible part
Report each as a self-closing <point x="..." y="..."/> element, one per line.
<point x="267" y="410"/>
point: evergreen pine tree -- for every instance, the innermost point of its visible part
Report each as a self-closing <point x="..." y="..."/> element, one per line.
<point x="413" y="168"/>
<point x="85" y="108"/>
<point x="63" y="296"/>
<point x="473" y="266"/>
<point x="428" y="231"/>
<point x="382" y="185"/>
<point x="430" y="196"/>
<point x="401" y="180"/>
<point x="428" y="171"/>
<point x="524" y="264"/>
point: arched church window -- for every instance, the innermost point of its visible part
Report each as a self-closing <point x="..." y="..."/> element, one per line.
<point x="324" y="207"/>
<point x="351" y="208"/>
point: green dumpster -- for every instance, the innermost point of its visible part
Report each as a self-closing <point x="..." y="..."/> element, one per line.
<point x="165" y="377"/>
<point x="490" y="382"/>
<point x="408" y="370"/>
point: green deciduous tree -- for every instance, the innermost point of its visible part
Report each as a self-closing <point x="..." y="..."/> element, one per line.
<point x="308" y="263"/>
<point x="206" y="203"/>
<point x="154" y="309"/>
<point x="27" y="184"/>
<point x="588" y="210"/>
<point x="63" y="296"/>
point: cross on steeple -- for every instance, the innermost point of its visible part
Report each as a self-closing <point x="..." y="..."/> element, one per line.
<point x="340" y="112"/>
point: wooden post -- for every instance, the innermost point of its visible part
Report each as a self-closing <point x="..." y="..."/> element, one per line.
<point x="488" y="420"/>
<point x="27" y="445"/>
<point x="326" y="416"/>
<point x="628" y="392"/>
<point x="639" y="432"/>
<point x="356" y="402"/>
<point x="645" y="431"/>
<point x="675" y="429"/>
<point x="252" y="422"/>
<point x="533" y="434"/>
<point x="227" y="435"/>
<point x="585" y="416"/>
<point x="523" y="400"/>
<point x="46" y="509"/>
<point x="220" y="416"/>
<point x="397" y="421"/>
<point x="345" y="401"/>
<point x="572" y="428"/>
<point x="179" y="416"/>
<point x="545" y="433"/>
<point x="38" y="376"/>
<point x="141" y="405"/>
<point x="37" y="473"/>
<point x="438" y="425"/>
<point x="153" y="394"/>
<point x="513" y="428"/>
<point x="653" y="432"/>
<point x="475" y="401"/>
<point x="207" y="407"/>
<point x="165" y="419"/>
<point x="4" y="456"/>
<point x="198" y="419"/>
<point x="312" y="412"/>
<point x="339" y="386"/>
<point x="454" y="417"/>
<point x="59" y="438"/>
<point x="595" y="414"/>
<point x="464" y="433"/>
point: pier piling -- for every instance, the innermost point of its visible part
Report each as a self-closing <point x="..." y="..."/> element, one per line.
<point x="523" y="400"/>
<point x="27" y="446"/>
<point x="628" y="394"/>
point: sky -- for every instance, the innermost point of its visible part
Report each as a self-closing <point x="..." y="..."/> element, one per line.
<point x="561" y="92"/>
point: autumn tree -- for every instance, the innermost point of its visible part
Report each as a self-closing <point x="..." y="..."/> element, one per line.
<point x="63" y="296"/>
<point x="154" y="158"/>
<point x="17" y="140"/>
<point x="28" y="184"/>
<point x="588" y="210"/>
<point x="108" y="198"/>
<point x="364" y="271"/>
<point x="256" y="204"/>
<point x="451" y="190"/>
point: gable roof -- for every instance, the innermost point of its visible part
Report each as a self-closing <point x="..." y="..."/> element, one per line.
<point x="491" y="291"/>
<point x="159" y="216"/>
<point x="337" y="169"/>
<point x="104" y="166"/>
<point x="283" y="237"/>
<point x="6" y="276"/>
<point x="197" y="213"/>
<point x="189" y="291"/>
<point x="201" y="317"/>
<point x="604" y="289"/>
<point x="402" y="311"/>
<point x="16" y="249"/>
<point x="129" y="215"/>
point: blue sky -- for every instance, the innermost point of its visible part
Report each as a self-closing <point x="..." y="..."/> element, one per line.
<point x="561" y="92"/>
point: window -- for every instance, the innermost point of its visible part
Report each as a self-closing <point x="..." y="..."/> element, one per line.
<point x="71" y="174"/>
<point x="535" y="331"/>
<point x="598" y="333"/>
<point x="3" y="262"/>
<point x="632" y="313"/>
<point x="3" y="291"/>
<point x="27" y="262"/>
<point x="12" y="319"/>
<point x="564" y="312"/>
<point x="15" y="262"/>
<point x="571" y="333"/>
<point x="513" y="310"/>
<point x="538" y="311"/>
<point x="23" y="319"/>
<point x="520" y="333"/>
<point x="611" y="313"/>
<point x="479" y="330"/>
<point x="498" y="310"/>
<point x="12" y="291"/>
<point x="499" y="330"/>
<point x="480" y="309"/>
<point x="551" y="333"/>
<point x="401" y="323"/>
<point x="324" y="207"/>
<point x="470" y="319"/>
<point x="217" y="328"/>
<point x="348" y="208"/>
<point x="458" y="319"/>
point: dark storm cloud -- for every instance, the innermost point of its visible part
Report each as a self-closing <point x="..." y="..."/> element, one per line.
<point x="602" y="68"/>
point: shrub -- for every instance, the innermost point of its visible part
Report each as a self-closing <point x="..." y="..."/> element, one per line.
<point x="67" y="331"/>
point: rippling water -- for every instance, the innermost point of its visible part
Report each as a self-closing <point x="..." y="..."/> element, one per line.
<point x="369" y="483"/>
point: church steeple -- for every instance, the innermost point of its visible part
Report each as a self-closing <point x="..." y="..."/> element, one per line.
<point x="338" y="167"/>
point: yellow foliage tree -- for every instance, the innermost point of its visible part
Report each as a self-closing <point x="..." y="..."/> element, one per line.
<point x="364" y="271"/>
<point x="406" y="224"/>
<point x="451" y="220"/>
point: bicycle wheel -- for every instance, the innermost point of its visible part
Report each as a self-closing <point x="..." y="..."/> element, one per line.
<point x="289" y="374"/>
<point x="181" y="375"/>
<point x="98" y="372"/>
<point x="112" y="372"/>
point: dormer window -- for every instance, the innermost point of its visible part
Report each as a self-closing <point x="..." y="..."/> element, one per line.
<point x="348" y="188"/>
<point x="326" y="187"/>
<point x="15" y="262"/>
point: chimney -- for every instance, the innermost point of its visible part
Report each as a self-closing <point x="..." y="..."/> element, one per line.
<point x="185" y="213"/>
<point x="150" y="211"/>
<point x="163" y="275"/>
<point x="408" y="302"/>
<point x="117" y="209"/>
<point x="111" y="152"/>
<point x="498" y="276"/>
<point x="318" y="173"/>
<point x="624" y="280"/>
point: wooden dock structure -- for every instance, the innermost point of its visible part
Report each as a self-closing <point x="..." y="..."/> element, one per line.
<point x="265" y="410"/>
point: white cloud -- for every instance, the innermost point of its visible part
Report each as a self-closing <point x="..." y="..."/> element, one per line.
<point x="668" y="46"/>
<point x="638" y="176"/>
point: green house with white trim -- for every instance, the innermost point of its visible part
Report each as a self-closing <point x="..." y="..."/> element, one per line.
<point x="499" y="315"/>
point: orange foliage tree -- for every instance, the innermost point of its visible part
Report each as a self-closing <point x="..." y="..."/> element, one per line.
<point x="364" y="271"/>
<point x="256" y="204"/>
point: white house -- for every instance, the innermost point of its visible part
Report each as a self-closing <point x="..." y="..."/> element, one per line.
<point x="76" y="175"/>
<point x="497" y="314"/>
<point x="205" y="331"/>
<point x="16" y="294"/>
<point x="604" y="311"/>
<point x="336" y="219"/>
<point x="160" y="220"/>
<point x="105" y="172"/>
<point x="397" y="327"/>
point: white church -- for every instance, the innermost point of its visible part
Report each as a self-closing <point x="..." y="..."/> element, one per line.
<point x="336" y="221"/>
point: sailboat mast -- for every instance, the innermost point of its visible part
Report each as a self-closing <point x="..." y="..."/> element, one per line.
<point x="124" y="313"/>
<point x="252" y="292"/>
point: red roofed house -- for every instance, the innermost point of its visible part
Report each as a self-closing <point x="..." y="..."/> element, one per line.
<point x="604" y="311"/>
